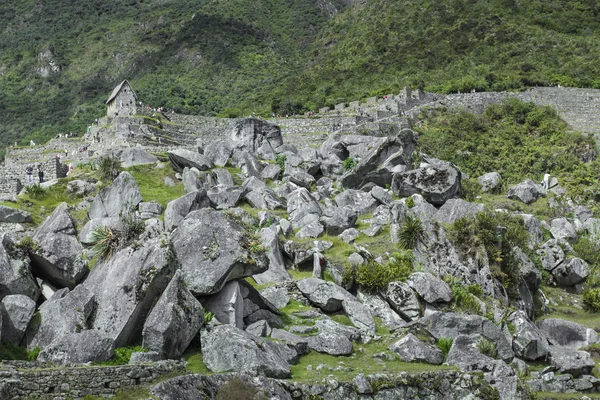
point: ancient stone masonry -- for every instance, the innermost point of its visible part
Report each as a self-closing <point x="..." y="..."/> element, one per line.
<point x="17" y="382"/>
<point x="13" y="175"/>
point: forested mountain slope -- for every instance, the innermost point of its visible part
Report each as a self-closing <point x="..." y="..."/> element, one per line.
<point x="58" y="59"/>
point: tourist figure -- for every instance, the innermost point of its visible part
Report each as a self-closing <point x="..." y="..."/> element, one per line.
<point x="40" y="173"/>
<point x="29" y="171"/>
<point x="546" y="181"/>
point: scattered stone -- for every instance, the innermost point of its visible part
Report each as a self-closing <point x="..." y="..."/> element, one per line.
<point x="77" y="348"/>
<point x="17" y="311"/>
<point x="430" y="288"/>
<point x="14" y="215"/>
<point x="330" y="343"/>
<point x="403" y="300"/>
<point x="571" y="272"/>
<point x="436" y="184"/>
<point x="490" y="182"/>
<point x="568" y="334"/>
<point x="182" y="158"/>
<point x="526" y="191"/>
<point x="454" y="209"/>
<point x="410" y="349"/>
<point x="568" y="361"/>
<point x="179" y="208"/>
<point x="123" y="194"/>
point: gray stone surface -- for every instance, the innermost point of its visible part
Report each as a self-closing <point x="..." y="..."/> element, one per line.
<point x="490" y="182"/>
<point x="264" y="198"/>
<point x="380" y="308"/>
<point x="131" y="156"/>
<point x="527" y="191"/>
<point x="568" y="334"/>
<point x="568" y="361"/>
<point x="305" y="213"/>
<point x="80" y="187"/>
<point x="436" y="184"/>
<point x="17" y="310"/>
<point x="571" y="272"/>
<point x="410" y="349"/>
<point x="358" y="201"/>
<point x="563" y="229"/>
<point x="179" y="208"/>
<point x="218" y="152"/>
<point x="150" y="209"/>
<point x="85" y="235"/>
<point x="430" y="288"/>
<point x="182" y="158"/>
<point x="277" y="271"/>
<point x="77" y="348"/>
<point x="66" y="312"/>
<point x="278" y="296"/>
<point x="256" y="136"/>
<point x="227" y="348"/>
<point x="227" y="305"/>
<point x="112" y="200"/>
<point x="529" y="342"/>
<point x="127" y="285"/>
<point x="403" y="300"/>
<point x="223" y="197"/>
<point x="15" y="271"/>
<point x="338" y="219"/>
<point x="174" y="320"/>
<point x="551" y="254"/>
<point x="59" y="254"/>
<point x="454" y="209"/>
<point x="14" y="215"/>
<point x="214" y="249"/>
<point x="334" y="344"/>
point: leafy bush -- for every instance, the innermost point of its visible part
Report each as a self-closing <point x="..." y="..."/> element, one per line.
<point x="238" y="389"/>
<point x="122" y="355"/>
<point x="487" y="348"/>
<point x="410" y="202"/>
<point x="588" y="248"/>
<point x="35" y="191"/>
<point x="375" y="277"/>
<point x="349" y="163"/>
<point x="444" y="344"/>
<point x="470" y="189"/>
<point x="411" y="232"/>
<point x="463" y="299"/>
<point x="105" y="242"/>
<point x="280" y="160"/>
<point x="490" y="238"/>
<point x="591" y="300"/>
<point x="109" y="167"/>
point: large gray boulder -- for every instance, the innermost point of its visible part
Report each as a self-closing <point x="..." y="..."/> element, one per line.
<point x="222" y="197"/>
<point x="257" y="137"/>
<point x="264" y="198"/>
<point x="58" y="254"/>
<point x="182" y="158"/>
<point x="277" y="271"/>
<point x="410" y="349"/>
<point x="529" y="342"/>
<point x="568" y="361"/>
<point x="430" y="288"/>
<point x="126" y="286"/>
<point x="131" y="156"/>
<point x="15" y="271"/>
<point x="551" y="254"/>
<point x="17" y="310"/>
<point x="80" y="187"/>
<point x="14" y="215"/>
<point x="227" y="305"/>
<point x="337" y="219"/>
<point x="526" y="191"/>
<point x="403" y="300"/>
<point x="563" y="229"/>
<point x="436" y="184"/>
<point x="179" y="208"/>
<point x="124" y="193"/>
<point x="86" y="234"/>
<point x="227" y="348"/>
<point x="568" y="334"/>
<point x="78" y="348"/>
<point x="451" y="325"/>
<point x="454" y="209"/>
<point x="378" y="164"/>
<point x="150" y="209"/>
<point x="213" y="249"/>
<point x="174" y="320"/>
<point x="380" y="308"/>
<point x="66" y="312"/>
<point x="358" y="201"/>
<point x="218" y="152"/>
<point x="330" y="297"/>
<point x="305" y="213"/>
<point x="490" y="182"/>
<point x="331" y="343"/>
<point x="571" y="272"/>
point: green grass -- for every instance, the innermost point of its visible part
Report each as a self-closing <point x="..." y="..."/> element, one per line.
<point x="195" y="364"/>
<point x="564" y="396"/>
<point x="569" y="308"/>
<point x="133" y="393"/>
<point x="360" y="362"/>
<point x="152" y="185"/>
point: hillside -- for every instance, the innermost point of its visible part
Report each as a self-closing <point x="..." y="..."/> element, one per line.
<point x="58" y="59"/>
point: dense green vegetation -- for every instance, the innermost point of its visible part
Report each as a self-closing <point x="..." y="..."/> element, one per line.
<point x="59" y="60"/>
<point x="516" y="139"/>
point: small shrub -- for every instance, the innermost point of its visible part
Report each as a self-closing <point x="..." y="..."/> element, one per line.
<point x="470" y="189"/>
<point x="280" y="160"/>
<point x="411" y="232"/>
<point x="28" y="245"/>
<point x="237" y="389"/>
<point x="109" y="167"/>
<point x="208" y="316"/>
<point x="132" y="225"/>
<point x="105" y="241"/>
<point x="444" y="345"/>
<point x="35" y="192"/>
<point x="487" y="348"/>
<point x="410" y="202"/>
<point x="591" y="300"/>
<point x="122" y="355"/>
<point x="374" y="277"/>
<point x="349" y="163"/>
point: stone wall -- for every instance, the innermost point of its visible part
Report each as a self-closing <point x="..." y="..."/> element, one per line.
<point x="13" y="175"/>
<point x="77" y="382"/>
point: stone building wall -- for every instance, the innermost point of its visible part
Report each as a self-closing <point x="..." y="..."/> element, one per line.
<point x="77" y="382"/>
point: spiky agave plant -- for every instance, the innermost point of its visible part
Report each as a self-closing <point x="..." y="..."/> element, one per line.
<point x="411" y="232"/>
<point x="105" y="241"/>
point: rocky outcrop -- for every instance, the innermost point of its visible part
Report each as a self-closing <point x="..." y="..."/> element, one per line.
<point x="227" y="348"/>
<point x="15" y="271"/>
<point x="527" y="191"/>
<point x="256" y="136"/>
<point x="179" y="208"/>
<point x="57" y="256"/>
<point x="567" y="333"/>
<point x="122" y="195"/>
<point x="430" y="288"/>
<point x="134" y="156"/>
<point x="410" y="349"/>
<point x="182" y="158"/>
<point x="14" y="215"/>
<point x="16" y="311"/>
<point x="436" y="184"/>
<point x="174" y="321"/>
<point x="214" y="249"/>
<point x="77" y="348"/>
